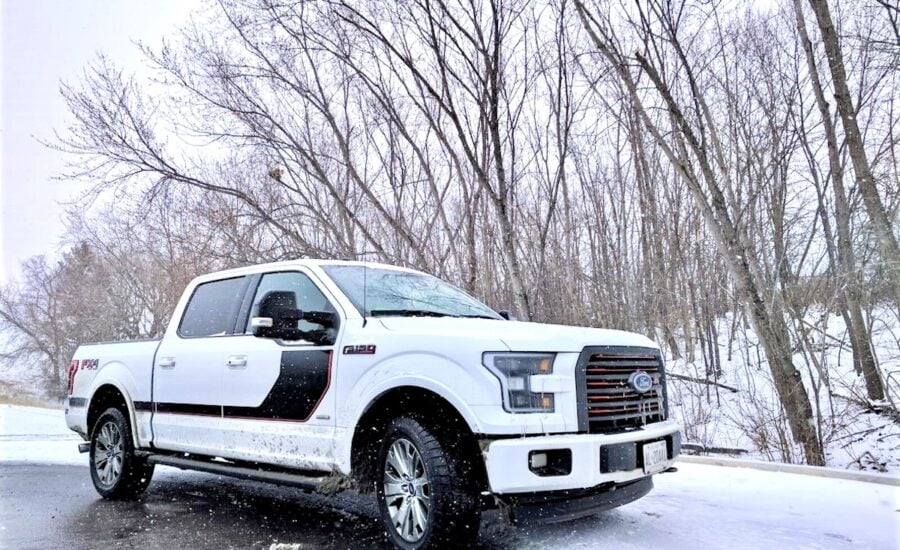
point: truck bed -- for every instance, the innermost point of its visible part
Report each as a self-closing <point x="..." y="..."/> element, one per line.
<point x="126" y="364"/>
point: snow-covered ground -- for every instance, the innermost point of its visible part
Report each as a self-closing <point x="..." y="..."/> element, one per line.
<point x="698" y="507"/>
<point x="32" y="434"/>
<point x="717" y="507"/>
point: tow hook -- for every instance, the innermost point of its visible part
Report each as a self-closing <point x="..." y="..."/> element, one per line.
<point x="84" y="447"/>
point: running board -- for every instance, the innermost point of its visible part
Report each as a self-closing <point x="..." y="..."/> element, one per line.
<point x="310" y="483"/>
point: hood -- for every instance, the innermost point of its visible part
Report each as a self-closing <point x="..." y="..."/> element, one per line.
<point x="517" y="335"/>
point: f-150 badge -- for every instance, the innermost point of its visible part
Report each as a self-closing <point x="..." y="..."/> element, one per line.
<point x="361" y="349"/>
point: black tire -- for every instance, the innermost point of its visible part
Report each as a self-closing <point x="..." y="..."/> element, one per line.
<point x="115" y="470"/>
<point x="451" y="516"/>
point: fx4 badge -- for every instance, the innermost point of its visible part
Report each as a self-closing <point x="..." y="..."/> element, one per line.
<point x="361" y="349"/>
<point x="75" y="366"/>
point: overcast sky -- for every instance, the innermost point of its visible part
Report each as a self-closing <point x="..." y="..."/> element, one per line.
<point x="45" y="42"/>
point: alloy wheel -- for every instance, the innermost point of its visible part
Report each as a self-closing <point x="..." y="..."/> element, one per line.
<point x="407" y="490"/>
<point x="109" y="453"/>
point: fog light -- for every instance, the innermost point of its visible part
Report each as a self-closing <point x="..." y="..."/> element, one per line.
<point x="537" y="460"/>
<point x="550" y="462"/>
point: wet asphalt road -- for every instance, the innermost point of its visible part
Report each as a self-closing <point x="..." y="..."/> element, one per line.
<point x="50" y="506"/>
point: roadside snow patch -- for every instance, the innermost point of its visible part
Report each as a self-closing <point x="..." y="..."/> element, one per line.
<point x="35" y="435"/>
<point x="704" y="506"/>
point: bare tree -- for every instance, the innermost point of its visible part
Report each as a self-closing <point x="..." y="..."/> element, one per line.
<point x="708" y="193"/>
<point x="881" y="221"/>
<point x="848" y="274"/>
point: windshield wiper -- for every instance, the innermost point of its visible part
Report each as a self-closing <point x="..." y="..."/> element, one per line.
<point x="479" y="316"/>
<point x="407" y="313"/>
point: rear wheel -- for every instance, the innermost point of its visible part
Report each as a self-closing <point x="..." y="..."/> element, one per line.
<point x="424" y="496"/>
<point x="115" y="470"/>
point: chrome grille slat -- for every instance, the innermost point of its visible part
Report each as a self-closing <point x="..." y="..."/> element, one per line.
<point x="619" y="376"/>
<point x="620" y="389"/>
<point x="623" y="364"/>
<point x="634" y="416"/>
<point x="604" y="404"/>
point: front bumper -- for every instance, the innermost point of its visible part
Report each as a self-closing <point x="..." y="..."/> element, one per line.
<point x="596" y="459"/>
<point x="559" y="506"/>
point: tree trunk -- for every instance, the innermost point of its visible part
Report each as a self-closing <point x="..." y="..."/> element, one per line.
<point x="846" y="271"/>
<point x="890" y="251"/>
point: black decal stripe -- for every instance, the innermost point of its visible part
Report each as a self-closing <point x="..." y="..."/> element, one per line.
<point x="188" y="408"/>
<point x="302" y="383"/>
<point x="143" y="406"/>
<point x="76" y="402"/>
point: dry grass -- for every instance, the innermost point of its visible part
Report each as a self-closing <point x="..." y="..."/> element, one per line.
<point x="11" y="395"/>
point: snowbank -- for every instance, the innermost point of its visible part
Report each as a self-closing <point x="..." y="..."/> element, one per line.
<point x="32" y="434"/>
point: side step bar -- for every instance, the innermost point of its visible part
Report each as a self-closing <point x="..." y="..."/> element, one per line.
<point x="310" y="483"/>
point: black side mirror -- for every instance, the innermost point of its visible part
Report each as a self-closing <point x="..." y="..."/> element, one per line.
<point x="507" y="315"/>
<point x="278" y="316"/>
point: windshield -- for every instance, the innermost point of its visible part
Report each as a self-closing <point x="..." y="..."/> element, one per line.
<point x="389" y="292"/>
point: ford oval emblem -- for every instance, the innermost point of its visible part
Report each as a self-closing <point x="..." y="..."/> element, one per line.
<point x="640" y="381"/>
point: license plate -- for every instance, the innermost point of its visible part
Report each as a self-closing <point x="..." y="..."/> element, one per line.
<point x="655" y="456"/>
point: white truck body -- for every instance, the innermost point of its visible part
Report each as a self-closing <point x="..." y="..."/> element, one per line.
<point x="226" y="395"/>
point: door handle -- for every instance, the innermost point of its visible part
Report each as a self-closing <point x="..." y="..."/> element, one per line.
<point x="237" y="361"/>
<point x="166" y="362"/>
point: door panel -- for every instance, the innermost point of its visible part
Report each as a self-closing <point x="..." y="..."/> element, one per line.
<point x="187" y="374"/>
<point x="188" y="395"/>
<point x="279" y="407"/>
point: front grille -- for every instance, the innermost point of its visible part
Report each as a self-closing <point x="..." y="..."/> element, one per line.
<point x="607" y="402"/>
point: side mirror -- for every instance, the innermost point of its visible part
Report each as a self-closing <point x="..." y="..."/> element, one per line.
<point x="278" y="316"/>
<point x="507" y="315"/>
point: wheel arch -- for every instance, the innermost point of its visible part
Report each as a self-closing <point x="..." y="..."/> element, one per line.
<point x="429" y="407"/>
<point x="108" y="395"/>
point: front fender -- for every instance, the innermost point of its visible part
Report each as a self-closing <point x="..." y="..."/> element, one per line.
<point x="428" y="371"/>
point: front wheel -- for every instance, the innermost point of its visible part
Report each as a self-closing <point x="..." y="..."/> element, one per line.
<point x="424" y="496"/>
<point x="115" y="470"/>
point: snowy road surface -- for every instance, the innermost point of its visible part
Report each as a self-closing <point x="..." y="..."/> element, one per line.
<point x="46" y="501"/>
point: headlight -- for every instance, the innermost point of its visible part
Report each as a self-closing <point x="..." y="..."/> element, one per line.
<point x="514" y="371"/>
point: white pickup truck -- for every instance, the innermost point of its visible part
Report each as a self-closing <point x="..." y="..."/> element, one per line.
<point x="304" y="371"/>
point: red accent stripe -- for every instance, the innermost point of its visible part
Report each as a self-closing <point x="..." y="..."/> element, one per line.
<point x="621" y="370"/>
<point x="179" y="413"/>
<point x="625" y="357"/>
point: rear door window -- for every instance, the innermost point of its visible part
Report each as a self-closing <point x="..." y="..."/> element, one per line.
<point x="212" y="308"/>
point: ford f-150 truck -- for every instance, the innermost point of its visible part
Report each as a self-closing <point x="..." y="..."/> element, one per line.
<point x="388" y="380"/>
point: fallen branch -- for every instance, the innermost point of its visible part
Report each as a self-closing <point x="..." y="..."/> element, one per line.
<point x="882" y="409"/>
<point x="700" y="381"/>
